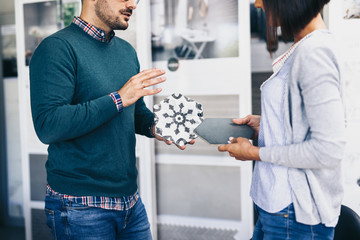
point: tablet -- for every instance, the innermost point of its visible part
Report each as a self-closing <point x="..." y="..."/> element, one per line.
<point x="218" y="130"/>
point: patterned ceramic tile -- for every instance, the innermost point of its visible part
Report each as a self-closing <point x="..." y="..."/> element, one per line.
<point x="176" y="117"/>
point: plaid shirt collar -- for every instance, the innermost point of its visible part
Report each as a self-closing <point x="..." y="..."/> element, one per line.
<point x="93" y="31"/>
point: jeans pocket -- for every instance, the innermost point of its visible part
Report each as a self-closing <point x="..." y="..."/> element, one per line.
<point x="50" y="221"/>
<point x="78" y="213"/>
<point x="50" y="218"/>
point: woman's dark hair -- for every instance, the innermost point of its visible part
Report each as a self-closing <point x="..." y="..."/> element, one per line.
<point x="291" y="15"/>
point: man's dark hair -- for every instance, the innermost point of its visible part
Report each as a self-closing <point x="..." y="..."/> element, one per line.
<point x="292" y="15"/>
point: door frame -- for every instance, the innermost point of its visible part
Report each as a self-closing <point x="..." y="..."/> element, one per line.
<point x="3" y="165"/>
<point x="5" y="218"/>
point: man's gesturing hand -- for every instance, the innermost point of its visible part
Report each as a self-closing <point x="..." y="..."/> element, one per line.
<point x="135" y="87"/>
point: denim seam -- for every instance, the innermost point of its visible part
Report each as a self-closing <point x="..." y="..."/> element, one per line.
<point x="312" y="232"/>
<point x="126" y="216"/>
<point x="288" y="223"/>
<point x="64" y="217"/>
<point x="53" y="222"/>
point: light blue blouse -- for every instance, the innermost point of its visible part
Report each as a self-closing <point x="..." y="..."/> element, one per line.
<point x="270" y="188"/>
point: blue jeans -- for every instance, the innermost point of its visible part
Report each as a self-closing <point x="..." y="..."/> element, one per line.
<point x="283" y="226"/>
<point x="75" y="221"/>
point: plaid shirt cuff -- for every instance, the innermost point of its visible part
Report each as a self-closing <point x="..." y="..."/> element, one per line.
<point x="117" y="100"/>
<point x="151" y="130"/>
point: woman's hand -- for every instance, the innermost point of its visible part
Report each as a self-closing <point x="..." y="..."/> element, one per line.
<point x="252" y="121"/>
<point x="241" y="149"/>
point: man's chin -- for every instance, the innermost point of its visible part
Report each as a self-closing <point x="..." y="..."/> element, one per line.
<point x="120" y="27"/>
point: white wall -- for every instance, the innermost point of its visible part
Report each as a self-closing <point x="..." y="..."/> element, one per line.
<point x="7" y="6"/>
<point x="7" y="12"/>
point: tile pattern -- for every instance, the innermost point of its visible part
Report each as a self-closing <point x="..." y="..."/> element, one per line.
<point x="176" y="117"/>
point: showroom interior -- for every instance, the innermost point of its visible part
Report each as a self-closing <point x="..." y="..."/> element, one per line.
<point x="219" y="50"/>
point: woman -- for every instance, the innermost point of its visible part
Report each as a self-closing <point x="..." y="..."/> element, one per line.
<point x="296" y="184"/>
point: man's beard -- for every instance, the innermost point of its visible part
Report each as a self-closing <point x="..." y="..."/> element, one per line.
<point x="105" y="14"/>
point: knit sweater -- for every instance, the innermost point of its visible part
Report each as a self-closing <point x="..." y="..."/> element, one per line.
<point x="91" y="145"/>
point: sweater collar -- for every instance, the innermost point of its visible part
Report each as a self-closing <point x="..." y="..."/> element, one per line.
<point x="279" y="62"/>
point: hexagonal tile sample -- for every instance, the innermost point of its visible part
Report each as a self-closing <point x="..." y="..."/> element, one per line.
<point x="176" y="117"/>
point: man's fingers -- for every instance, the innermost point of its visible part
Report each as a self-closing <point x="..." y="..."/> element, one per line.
<point x="152" y="82"/>
<point x="151" y="71"/>
<point x="148" y="92"/>
<point x="181" y="147"/>
<point x="149" y="74"/>
<point x="168" y="142"/>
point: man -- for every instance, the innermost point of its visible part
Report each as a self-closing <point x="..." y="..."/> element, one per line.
<point x="87" y="104"/>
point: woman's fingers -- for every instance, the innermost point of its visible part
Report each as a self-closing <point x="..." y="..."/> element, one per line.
<point x="241" y="121"/>
<point x="223" y="148"/>
<point x="251" y="120"/>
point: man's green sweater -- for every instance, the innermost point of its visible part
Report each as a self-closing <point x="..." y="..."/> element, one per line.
<point x="91" y="145"/>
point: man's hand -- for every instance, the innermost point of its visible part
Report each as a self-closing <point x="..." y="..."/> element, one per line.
<point x="241" y="149"/>
<point x="135" y="88"/>
<point x="169" y="142"/>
